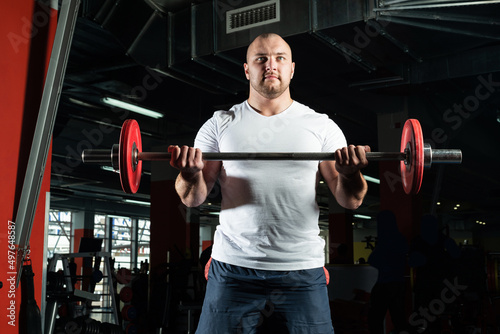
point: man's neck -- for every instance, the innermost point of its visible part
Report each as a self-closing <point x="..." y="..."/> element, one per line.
<point x="269" y="107"/>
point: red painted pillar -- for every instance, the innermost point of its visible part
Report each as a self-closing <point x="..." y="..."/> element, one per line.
<point x="173" y="231"/>
<point x="27" y="29"/>
<point x="340" y="233"/>
<point x="406" y="208"/>
<point x="173" y="237"/>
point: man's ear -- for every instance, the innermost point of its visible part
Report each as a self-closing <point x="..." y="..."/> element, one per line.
<point x="245" y="66"/>
<point x="293" y="70"/>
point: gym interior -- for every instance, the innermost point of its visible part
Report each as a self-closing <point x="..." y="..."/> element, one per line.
<point x="81" y="255"/>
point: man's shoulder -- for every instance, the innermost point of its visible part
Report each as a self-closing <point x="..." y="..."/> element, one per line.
<point x="307" y="111"/>
<point x="231" y="112"/>
<point x="223" y="118"/>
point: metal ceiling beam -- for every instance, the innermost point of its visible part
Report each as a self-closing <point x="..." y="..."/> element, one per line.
<point x="402" y="46"/>
<point x="387" y="5"/>
<point x="437" y="27"/>
<point x="440" y="16"/>
<point x="169" y="5"/>
<point x="413" y="13"/>
<point x="344" y="51"/>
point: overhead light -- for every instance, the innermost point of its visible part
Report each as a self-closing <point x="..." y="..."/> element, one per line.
<point x="133" y="201"/>
<point x="362" y="216"/>
<point x="109" y="169"/>
<point x="132" y="107"/>
<point x="371" y="179"/>
<point x="82" y="103"/>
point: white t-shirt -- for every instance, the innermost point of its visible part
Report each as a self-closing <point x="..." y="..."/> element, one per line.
<point x="269" y="215"/>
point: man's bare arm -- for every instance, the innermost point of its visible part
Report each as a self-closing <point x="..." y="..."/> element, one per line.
<point x="344" y="177"/>
<point x="196" y="178"/>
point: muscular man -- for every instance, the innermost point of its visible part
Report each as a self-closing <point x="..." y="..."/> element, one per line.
<point x="266" y="273"/>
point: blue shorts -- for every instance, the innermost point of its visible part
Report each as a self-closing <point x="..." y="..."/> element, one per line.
<point x="248" y="301"/>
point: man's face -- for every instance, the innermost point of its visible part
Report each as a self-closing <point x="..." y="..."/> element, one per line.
<point x="269" y="66"/>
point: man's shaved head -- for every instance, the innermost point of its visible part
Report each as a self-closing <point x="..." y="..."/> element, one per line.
<point x="258" y="39"/>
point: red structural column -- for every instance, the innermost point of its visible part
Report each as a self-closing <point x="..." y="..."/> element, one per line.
<point x="173" y="231"/>
<point x="340" y="233"/>
<point x="406" y="208"/>
<point x="27" y="32"/>
<point x="168" y="224"/>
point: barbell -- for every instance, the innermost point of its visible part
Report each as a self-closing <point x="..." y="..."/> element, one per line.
<point x="127" y="156"/>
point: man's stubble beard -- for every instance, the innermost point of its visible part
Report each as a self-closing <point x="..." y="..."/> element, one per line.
<point x="270" y="91"/>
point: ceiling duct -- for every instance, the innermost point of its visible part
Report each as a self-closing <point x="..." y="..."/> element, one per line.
<point x="207" y="42"/>
<point x="237" y="26"/>
<point x="252" y="16"/>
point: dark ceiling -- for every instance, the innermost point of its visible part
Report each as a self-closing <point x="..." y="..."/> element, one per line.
<point x="437" y="61"/>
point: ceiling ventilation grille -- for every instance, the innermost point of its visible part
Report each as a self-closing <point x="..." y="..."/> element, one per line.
<point x="252" y="16"/>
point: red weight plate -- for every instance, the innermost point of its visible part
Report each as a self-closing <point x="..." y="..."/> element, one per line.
<point x="123" y="276"/>
<point x="131" y="329"/>
<point x="126" y="294"/>
<point x="129" y="312"/>
<point x="413" y="140"/>
<point x="130" y="169"/>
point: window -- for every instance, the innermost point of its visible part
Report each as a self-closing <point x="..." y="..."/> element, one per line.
<point x="129" y="241"/>
<point x="143" y="239"/>
<point x="122" y="242"/>
<point x="60" y="232"/>
<point x="100" y="230"/>
<point x="125" y="238"/>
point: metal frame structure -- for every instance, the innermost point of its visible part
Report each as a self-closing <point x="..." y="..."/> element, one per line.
<point x="44" y="128"/>
<point x="52" y="305"/>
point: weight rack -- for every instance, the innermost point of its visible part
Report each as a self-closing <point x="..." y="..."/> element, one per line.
<point x="53" y="303"/>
